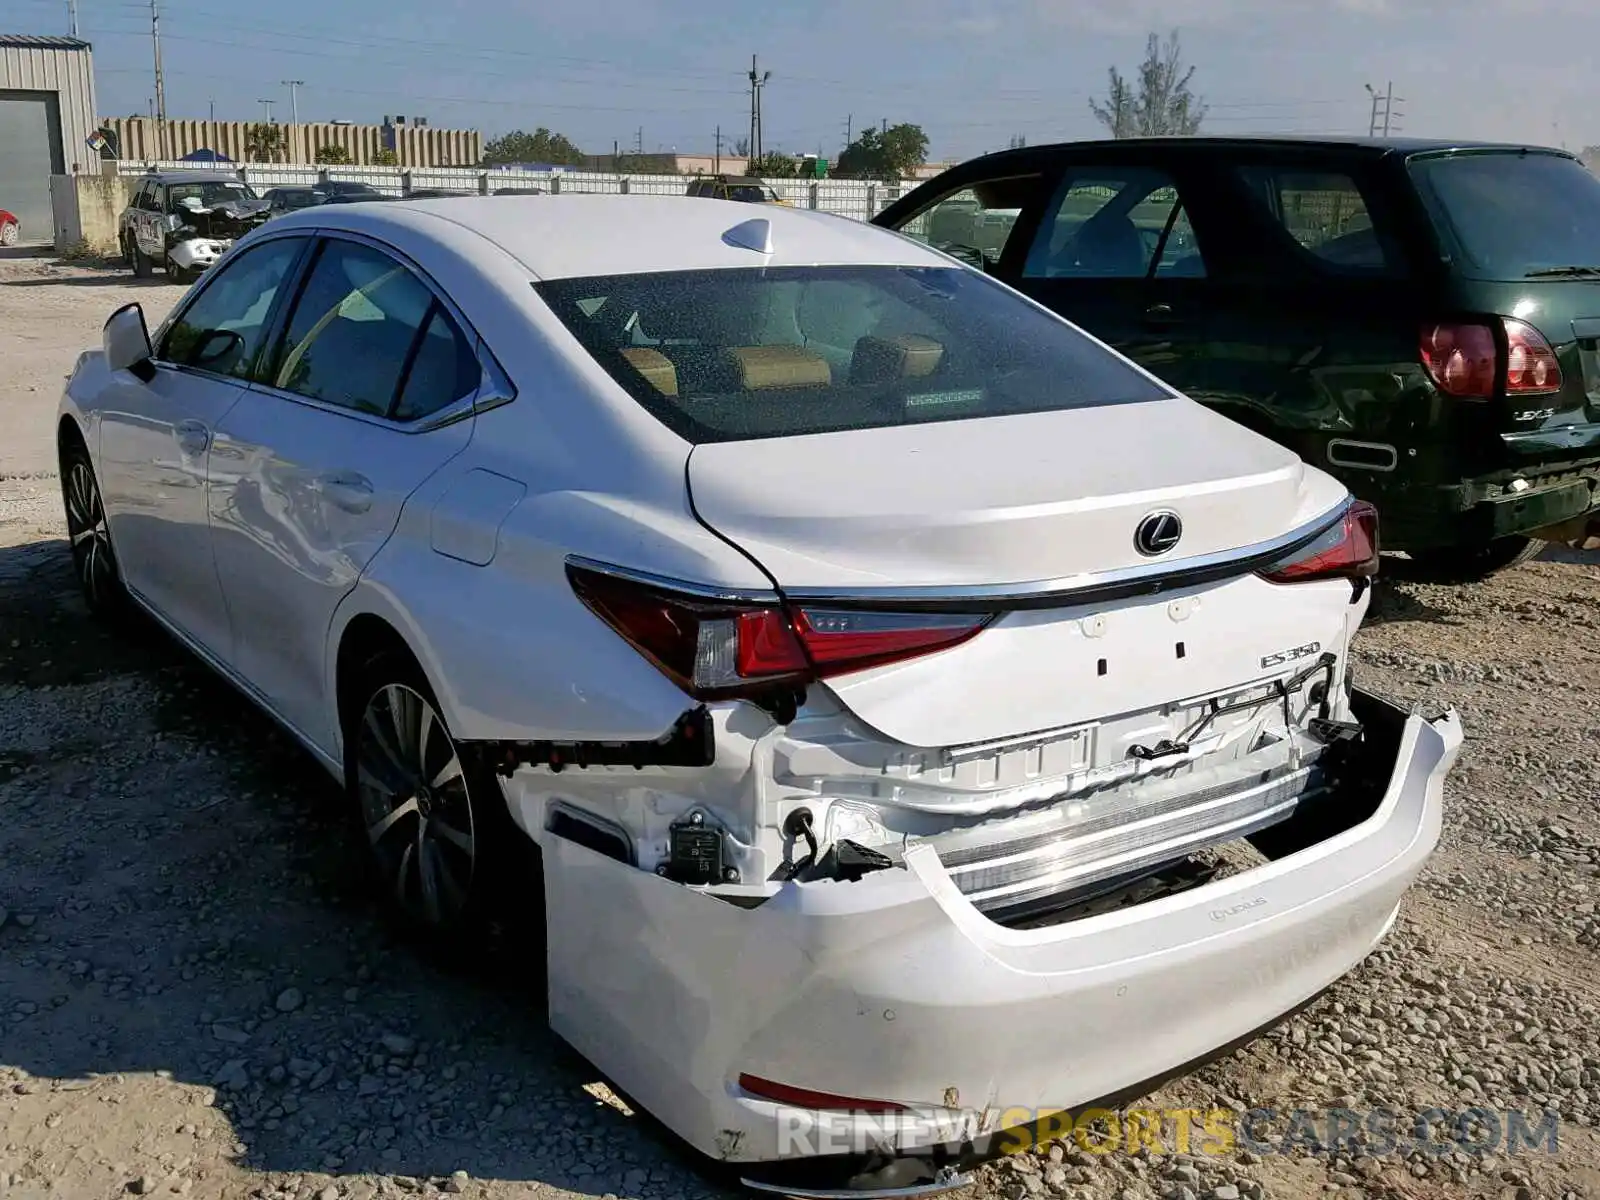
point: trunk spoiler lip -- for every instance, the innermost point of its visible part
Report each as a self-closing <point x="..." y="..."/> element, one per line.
<point x="1141" y="579"/>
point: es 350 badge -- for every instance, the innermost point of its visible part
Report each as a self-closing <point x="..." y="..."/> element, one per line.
<point x="1289" y="656"/>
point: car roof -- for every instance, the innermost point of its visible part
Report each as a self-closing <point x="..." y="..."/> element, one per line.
<point x="570" y="236"/>
<point x="1375" y="146"/>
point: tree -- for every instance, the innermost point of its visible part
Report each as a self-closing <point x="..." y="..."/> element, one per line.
<point x="331" y="155"/>
<point x="1161" y="104"/>
<point x="386" y="158"/>
<point x="263" y="142"/>
<point x="741" y="148"/>
<point x="540" y="146"/>
<point x="774" y="165"/>
<point x="889" y="155"/>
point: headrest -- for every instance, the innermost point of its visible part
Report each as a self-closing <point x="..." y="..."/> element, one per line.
<point x="656" y="368"/>
<point x="898" y="356"/>
<point x="779" y="367"/>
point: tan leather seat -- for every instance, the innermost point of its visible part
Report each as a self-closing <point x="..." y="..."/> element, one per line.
<point x="656" y="368"/>
<point x="898" y="356"/>
<point x="779" y="367"/>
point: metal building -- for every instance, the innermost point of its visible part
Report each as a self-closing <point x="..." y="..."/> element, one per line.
<point x="47" y="115"/>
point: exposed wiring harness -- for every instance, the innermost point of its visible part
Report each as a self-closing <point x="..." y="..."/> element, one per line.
<point x="1281" y="691"/>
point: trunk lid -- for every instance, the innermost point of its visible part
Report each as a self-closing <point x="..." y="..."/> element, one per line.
<point x="1009" y="501"/>
<point x="1565" y="424"/>
<point x="1014" y="505"/>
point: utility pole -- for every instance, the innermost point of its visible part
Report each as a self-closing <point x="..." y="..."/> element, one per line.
<point x="294" y="86"/>
<point x="1383" y="110"/>
<point x="72" y="17"/>
<point x="717" y="167"/>
<point x="758" y="80"/>
<point x="161" y="85"/>
<point x="266" y="110"/>
<point x="885" y="125"/>
<point x="849" y="130"/>
<point x="638" y="141"/>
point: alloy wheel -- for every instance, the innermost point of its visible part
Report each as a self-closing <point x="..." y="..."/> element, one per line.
<point x="415" y="806"/>
<point x="90" y="536"/>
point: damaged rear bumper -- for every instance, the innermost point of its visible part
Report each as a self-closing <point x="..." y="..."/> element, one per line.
<point x="896" y="988"/>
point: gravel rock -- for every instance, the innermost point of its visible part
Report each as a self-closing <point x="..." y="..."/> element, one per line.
<point x="289" y="1000"/>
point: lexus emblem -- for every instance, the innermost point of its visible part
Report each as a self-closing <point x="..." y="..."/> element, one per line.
<point x="1157" y="533"/>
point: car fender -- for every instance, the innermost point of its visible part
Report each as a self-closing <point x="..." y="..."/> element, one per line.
<point x="510" y="651"/>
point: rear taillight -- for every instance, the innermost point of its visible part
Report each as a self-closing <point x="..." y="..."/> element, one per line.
<point x="721" y="648"/>
<point x="1531" y="365"/>
<point x="1347" y="549"/>
<point x="1464" y="359"/>
<point x="795" y="1097"/>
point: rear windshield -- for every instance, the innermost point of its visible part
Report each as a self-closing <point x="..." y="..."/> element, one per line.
<point x="1512" y="215"/>
<point x="734" y="355"/>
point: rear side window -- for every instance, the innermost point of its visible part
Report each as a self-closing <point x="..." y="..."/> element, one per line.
<point x="367" y="335"/>
<point x="1512" y="216"/>
<point x="1115" y="223"/>
<point x="1325" y="213"/>
<point x="734" y="355"/>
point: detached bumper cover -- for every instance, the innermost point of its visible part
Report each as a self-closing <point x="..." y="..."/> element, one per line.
<point x="896" y="988"/>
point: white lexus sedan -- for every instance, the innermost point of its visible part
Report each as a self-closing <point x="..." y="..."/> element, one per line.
<point x="923" y="718"/>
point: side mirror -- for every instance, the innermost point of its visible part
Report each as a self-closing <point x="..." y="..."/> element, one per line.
<point x="215" y="347"/>
<point x="127" y="342"/>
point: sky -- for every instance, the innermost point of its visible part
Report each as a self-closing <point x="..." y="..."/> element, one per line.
<point x="664" y="74"/>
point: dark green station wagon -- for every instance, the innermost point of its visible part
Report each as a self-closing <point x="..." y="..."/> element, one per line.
<point x="1420" y="319"/>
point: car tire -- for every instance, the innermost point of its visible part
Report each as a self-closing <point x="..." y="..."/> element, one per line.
<point x="143" y="268"/>
<point x="429" y="817"/>
<point x="9" y="233"/>
<point x="176" y="274"/>
<point x="94" y="560"/>
<point x="127" y="252"/>
<point x="1469" y="564"/>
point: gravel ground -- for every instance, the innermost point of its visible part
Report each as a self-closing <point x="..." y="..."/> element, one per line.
<point x="195" y="1000"/>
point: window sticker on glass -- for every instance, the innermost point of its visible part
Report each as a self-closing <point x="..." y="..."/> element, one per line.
<point x="929" y="399"/>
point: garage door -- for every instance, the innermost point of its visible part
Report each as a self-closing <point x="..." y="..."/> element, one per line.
<point x="30" y="151"/>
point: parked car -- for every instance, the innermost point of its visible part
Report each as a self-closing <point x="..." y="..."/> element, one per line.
<point x="10" y="228"/>
<point x="734" y="187"/>
<point x="853" y="658"/>
<point x="281" y="200"/>
<point x="185" y="221"/>
<point x="349" y="191"/>
<point x="1420" y="319"/>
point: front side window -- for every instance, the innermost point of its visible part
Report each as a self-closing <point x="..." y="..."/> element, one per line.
<point x="973" y="224"/>
<point x="1123" y="223"/>
<point x="731" y="355"/>
<point x="223" y="329"/>
<point x="367" y="335"/>
<point x="1324" y="212"/>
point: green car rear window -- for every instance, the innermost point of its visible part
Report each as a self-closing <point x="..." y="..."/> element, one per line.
<point x="1512" y="215"/>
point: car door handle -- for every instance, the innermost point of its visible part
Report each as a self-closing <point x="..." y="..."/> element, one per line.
<point x="1161" y="314"/>
<point x="193" y="436"/>
<point x="351" y="492"/>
